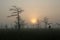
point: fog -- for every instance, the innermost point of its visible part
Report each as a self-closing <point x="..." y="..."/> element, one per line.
<point x="32" y="9"/>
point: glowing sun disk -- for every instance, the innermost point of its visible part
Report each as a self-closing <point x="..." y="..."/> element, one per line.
<point x="33" y="21"/>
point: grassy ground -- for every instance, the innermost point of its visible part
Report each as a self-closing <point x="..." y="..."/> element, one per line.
<point x="46" y="34"/>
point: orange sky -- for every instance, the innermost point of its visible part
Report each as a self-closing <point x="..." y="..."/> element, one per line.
<point x="32" y="9"/>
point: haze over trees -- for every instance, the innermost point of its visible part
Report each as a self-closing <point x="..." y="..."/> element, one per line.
<point x="20" y="23"/>
<point x="16" y="12"/>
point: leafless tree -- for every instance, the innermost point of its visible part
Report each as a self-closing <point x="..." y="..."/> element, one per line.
<point x="58" y="24"/>
<point x="45" y="21"/>
<point x="6" y="26"/>
<point x="16" y="12"/>
<point x="38" y="23"/>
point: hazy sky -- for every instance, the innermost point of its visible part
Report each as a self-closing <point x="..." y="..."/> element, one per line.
<point x="32" y="9"/>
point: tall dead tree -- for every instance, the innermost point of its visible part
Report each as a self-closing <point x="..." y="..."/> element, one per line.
<point x="16" y="12"/>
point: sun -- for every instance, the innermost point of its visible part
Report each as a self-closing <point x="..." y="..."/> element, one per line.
<point x="33" y="20"/>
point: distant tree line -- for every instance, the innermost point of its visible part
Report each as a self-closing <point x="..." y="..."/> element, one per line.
<point x="20" y="23"/>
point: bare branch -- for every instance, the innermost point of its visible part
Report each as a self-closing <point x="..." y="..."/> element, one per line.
<point x="12" y="15"/>
<point x="21" y="11"/>
<point x="8" y="16"/>
<point x="12" y="10"/>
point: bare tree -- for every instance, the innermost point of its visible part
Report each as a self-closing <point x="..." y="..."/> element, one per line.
<point x="58" y="24"/>
<point x="1" y="26"/>
<point x="6" y="26"/>
<point x="15" y="25"/>
<point x="16" y="12"/>
<point x="22" y="23"/>
<point x="45" y="21"/>
<point x="38" y="23"/>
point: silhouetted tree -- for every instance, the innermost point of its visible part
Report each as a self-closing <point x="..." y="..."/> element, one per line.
<point x="15" y="25"/>
<point x="45" y="21"/>
<point x="6" y="26"/>
<point x="58" y="24"/>
<point x="22" y="23"/>
<point x="1" y="26"/>
<point x="38" y="23"/>
<point x="16" y="12"/>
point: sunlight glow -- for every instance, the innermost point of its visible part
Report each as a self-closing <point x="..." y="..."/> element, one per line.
<point x="33" y="20"/>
